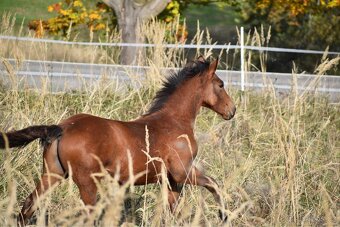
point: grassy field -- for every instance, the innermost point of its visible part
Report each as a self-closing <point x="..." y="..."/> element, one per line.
<point x="277" y="161"/>
<point x="26" y="10"/>
<point x="218" y="18"/>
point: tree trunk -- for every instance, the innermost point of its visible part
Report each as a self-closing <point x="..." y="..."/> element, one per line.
<point x="128" y="24"/>
<point x="130" y="13"/>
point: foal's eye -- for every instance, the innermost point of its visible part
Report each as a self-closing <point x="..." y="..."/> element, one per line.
<point x="221" y="85"/>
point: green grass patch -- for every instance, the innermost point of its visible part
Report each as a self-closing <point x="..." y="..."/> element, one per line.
<point x="26" y="10"/>
<point x="219" y="18"/>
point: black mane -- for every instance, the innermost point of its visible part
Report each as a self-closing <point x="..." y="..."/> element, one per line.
<point x="171" y="83"/>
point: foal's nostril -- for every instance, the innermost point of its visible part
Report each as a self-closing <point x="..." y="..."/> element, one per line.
<point x="232" y="112"/>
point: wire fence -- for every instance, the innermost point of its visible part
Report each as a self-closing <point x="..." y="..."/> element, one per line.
<point x="183" y="46"/>
<point x="65" y="76"/>
<point x="329" y="84"/>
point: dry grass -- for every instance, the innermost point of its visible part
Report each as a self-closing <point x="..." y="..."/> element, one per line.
<point x="277" y="161"/>
<point x="52" y="51"/>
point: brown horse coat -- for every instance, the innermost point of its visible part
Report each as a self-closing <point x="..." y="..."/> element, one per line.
<point x="164" y="136"/>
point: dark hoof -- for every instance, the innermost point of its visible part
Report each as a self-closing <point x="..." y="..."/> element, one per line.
<point x="20" y="221"/>
<point x="223" y="216"/>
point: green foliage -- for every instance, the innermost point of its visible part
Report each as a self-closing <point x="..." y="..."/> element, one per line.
<point x="171" y="12"/>
<point x="98" y="17"/>
<point x="311" y="25"/>
<point x="25" y="10"/>
<point x="73" y="14"/>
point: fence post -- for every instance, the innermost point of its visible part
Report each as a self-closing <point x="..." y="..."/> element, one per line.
<point x="242" y="59"/>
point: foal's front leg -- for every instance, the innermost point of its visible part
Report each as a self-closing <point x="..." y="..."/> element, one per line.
<point x="196" y="177"/>
<point x="174" y="191"/>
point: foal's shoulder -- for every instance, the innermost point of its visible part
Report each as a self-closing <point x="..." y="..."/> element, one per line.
<point x="77" y="117"/>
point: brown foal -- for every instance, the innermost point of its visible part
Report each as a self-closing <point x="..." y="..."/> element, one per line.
<point x="78" y="142"/>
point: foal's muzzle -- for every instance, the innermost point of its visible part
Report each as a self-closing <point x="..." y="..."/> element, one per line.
<point x="230" y="114"/>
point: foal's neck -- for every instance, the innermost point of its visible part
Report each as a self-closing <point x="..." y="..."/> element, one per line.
<point x="184" y="104"/>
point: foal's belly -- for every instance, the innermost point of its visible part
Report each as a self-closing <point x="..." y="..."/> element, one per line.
<point x="135" y="167"/>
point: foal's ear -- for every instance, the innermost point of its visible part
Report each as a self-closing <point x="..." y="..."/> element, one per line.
<point x="201" y="59"/>
<point x="212" y="68"/>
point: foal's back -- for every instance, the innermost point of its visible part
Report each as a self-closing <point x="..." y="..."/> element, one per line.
<point x="87" y="139"/>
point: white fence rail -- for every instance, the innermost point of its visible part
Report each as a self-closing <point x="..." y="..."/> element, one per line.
<point x="65" y="76"/>
<point x="184" y="46"/>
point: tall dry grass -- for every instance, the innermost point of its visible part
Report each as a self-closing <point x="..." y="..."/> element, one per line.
<point x="277" y="161"/>
<point x="53" y="51"/>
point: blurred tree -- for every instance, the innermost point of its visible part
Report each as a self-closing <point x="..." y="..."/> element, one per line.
<point x="305" y="24"/>
<point x="103" y="17"/>
<point x="129" y="14"/>
<point x="312" y="22"/>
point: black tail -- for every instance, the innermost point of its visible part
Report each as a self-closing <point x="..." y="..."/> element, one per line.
<point x="23" y="137"/>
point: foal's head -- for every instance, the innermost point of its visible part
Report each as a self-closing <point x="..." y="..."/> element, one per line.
<point x="210" y="88"/>
<point x="214" y="95"/>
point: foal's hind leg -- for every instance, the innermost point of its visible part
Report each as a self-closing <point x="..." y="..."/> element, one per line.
<point x="87" y="187"/>
<point x="52" y="174"/>
<point x="30" y="203"/>
<point x="196" y="177"/>
<point x="83" y="170"/>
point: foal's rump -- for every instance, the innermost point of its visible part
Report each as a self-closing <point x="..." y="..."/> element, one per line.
<point x="47" y="133"/>
<point x="89" y="141"/>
